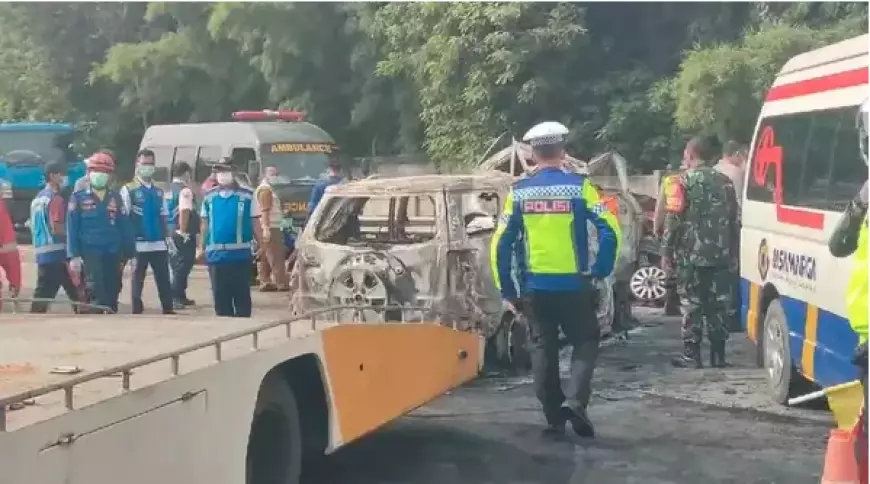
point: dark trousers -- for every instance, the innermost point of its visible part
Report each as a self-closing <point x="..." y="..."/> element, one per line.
<point x="182" y="263"/>
<point x="49" y="278"/>
<point x="574" y="313"/>
<point x="159" y="263"/>
<point x="231" y="289"/>
<point x="102" y="272"/>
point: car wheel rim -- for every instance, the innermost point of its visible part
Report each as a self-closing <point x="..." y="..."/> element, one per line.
<point x="774" y="360"/>
<point x="648" y="284"/>
<point x="362" y="288"/>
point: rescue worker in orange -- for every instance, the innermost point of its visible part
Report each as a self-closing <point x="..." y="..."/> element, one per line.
<point x="672" y="300"/>
<point x="272" y="272"/>
<point x="10" y="258"/>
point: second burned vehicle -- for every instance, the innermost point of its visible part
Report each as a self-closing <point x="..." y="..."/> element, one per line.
<point x="420" y="242"/>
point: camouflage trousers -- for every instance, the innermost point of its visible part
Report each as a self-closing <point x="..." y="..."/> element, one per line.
<point x="705" y="300"/>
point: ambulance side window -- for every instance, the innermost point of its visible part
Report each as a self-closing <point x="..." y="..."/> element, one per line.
<point x="163" y="162"/>
<point x="207" y="156"/>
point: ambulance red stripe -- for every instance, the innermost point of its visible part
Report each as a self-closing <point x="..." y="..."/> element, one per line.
<point x="831" y="82"/>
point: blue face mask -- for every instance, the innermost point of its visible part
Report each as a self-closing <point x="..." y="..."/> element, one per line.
<point x="98" y="180"/>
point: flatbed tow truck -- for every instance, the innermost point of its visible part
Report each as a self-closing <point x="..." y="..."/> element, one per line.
<point x="150" y="399"/>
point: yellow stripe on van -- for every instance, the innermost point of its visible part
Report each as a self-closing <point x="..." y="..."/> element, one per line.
<point x="808" y="351"/>
<point x="752" y="313"/>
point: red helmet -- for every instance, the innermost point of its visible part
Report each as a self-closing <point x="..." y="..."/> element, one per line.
<point x="101" y="161"/>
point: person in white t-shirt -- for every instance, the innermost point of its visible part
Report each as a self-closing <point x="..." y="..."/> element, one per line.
<point x="733" y="165"/>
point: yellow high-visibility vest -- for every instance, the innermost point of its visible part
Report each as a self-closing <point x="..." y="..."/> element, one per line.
<point x="856" y="291"/>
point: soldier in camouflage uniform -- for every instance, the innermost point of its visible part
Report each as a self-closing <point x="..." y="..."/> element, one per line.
<point x="700" y="236"/>
<point x="672" y="300"/>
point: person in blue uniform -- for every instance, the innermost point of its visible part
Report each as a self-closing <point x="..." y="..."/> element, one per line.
<point x="549" y="211"/>
<point x="144" y="203"/>
<point x="229" y="226"/>
<point x="48" y="228"/>
<point x="183" y="225"/>
<point x="333" y="177"/>
<point x="98" y="232"/>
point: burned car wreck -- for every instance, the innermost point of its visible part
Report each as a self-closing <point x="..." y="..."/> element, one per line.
<point x="413" y="248"/>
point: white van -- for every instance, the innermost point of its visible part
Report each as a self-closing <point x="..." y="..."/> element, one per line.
<point x="805" y="167"/>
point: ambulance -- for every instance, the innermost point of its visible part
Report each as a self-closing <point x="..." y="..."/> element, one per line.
<point x="805" y="166"/>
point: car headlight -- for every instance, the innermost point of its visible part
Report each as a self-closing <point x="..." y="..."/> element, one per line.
<point x="5" y="189"/>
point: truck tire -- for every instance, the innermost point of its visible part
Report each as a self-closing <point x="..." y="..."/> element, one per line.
<point x="275" y="442"/>
<point x="782" y="377"/>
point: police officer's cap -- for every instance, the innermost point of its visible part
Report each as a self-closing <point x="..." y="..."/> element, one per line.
<point x="225" y="164"/>
<point x="548" y="133"/>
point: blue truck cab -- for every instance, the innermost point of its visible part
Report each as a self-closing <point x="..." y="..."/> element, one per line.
<point x="25" y="149"/>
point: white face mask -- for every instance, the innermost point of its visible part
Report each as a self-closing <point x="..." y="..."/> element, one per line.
<point x="64" y="181"/>
<point x="224" y="178"/>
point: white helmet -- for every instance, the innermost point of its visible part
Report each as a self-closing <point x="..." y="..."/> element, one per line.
<point x="546" y="133"/>
<point x="862" y="122"/>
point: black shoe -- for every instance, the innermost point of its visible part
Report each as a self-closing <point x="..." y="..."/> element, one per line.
<point x="691" y="357"/>
<point x="169" y="311"/>
<point x="717" y="355"/>
<point x="188" y="302"/>
<point x="579" y="421"/>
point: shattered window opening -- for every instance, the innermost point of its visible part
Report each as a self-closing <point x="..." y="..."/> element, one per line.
<point x="377" y="220"/>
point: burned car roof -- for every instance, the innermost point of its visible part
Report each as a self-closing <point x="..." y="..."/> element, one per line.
<point x="422" y="184"/>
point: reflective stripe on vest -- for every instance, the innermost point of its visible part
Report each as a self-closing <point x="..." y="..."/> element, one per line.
<point x="7" y="248"/>
<point x="856" y="290"/>
<point x="239" y="245"/>
<point x="49" y="248"/>
<point x="275" y="214"/>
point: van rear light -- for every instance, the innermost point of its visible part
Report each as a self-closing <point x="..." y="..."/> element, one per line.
<point x="267" y="115"/>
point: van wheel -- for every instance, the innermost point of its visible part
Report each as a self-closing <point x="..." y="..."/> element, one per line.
<point x="274" y="453"/>
<point x="782" y="377"/>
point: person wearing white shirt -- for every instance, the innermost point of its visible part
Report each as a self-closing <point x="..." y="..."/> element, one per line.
<point x="733" y="165"/>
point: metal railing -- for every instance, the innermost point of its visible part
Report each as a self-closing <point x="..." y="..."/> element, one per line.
<point x="126" y="370"/>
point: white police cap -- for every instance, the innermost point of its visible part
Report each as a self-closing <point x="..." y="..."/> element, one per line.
<point x="546" y="133"/>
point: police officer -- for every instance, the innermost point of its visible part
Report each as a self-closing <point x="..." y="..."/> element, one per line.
<point x="48" y="228"/>
<point x="98" y="232"/>
<point x="144" y="203"/>
<point x="333" y="177"/>
<point x="851" y="237"/>
<point x="228" y="228"/>
<point x="672" y="300"/>
<point x="183" y="224"/>
<point x="700" y="238"/>
<point x="550" y="210"/>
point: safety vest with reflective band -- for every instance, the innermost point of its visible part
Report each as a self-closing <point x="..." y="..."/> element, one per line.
<point x="276" y="215"/>
<point x="171" y="198"/>
<point x="675" y="199"/>
<point x="147" y="216"/>
<point x="48" y="247"/>
<point x="551" y="209"/>
<point x="229" y="229"/>
<point x="856" y="291"/>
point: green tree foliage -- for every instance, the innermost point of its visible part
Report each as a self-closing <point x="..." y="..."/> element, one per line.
<point x="389" y="78"/>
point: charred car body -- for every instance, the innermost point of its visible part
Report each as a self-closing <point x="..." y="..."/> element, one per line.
<point x="419" y="242"/>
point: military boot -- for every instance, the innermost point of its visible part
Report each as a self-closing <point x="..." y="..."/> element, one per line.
<point x="672" y="300"/>
<point x="691" y="357"/>
<point x="717" y="354"/>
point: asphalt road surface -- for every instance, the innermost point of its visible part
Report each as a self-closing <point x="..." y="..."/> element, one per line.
<point x="656" y="424"/>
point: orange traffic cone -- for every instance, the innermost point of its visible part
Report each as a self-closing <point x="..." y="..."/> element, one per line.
<point x="840" y="465"/>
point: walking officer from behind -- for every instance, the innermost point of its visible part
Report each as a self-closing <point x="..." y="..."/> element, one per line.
<point x="700" y="238"/>
<point x="98" y="232"/>
<point x="550" y="210"/>
<point x="228" y="227"/>
<point x="48" y="226"/>
<point x="144" y="202"/>
<point x="183" y="225"/>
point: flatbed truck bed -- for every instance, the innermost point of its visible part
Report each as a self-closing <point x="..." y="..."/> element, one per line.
<point x="192" y="399"/>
